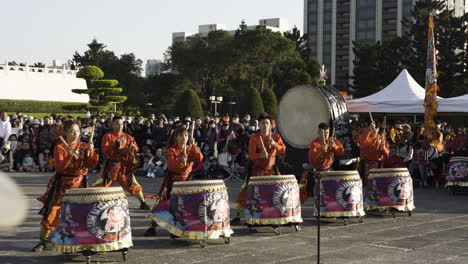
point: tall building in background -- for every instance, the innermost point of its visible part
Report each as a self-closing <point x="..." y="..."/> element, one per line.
<point x="278" y="24"/>
<point x="333" y="25"/>
<point x="153" y="67"/>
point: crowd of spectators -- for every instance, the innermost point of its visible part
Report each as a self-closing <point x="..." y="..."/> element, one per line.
<point x="26" y="143"/>
<point x="410" y="148"/>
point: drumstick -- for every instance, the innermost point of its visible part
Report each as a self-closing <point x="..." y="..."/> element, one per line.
<point x="371" y="119"/>
<point x="263" y="145"/>
<point x="68" y="147"/>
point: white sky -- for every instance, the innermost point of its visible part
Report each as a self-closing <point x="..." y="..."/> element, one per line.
<point x="43" y="30"/>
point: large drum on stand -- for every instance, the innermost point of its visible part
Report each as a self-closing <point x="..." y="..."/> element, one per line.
<point x="273" y="201"/>
<point x="457" y="173"/>
<point x="197" y="210"/>
<point x="93" y="220"/>
<point x="390" y="189"/>
<point x="341" y="195"/>
<point x="301" y="110"/>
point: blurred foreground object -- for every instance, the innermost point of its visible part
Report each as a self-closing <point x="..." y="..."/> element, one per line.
<point x="14" y="205"/>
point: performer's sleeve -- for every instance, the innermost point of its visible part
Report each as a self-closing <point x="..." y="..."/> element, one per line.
<point x="92" y="160"/>
<point x="62" y="158"/>
<point x="338" y="148"/>
<point x="386" y="151"/>
<point x="194" y="155"/>
<point x="253" y="142"/>
<point x="312" y="151"/>
<point x="107" y="146"/>
<point x="280" y="147"/>
<point x="173" y="163"/>
<point x="134" y="144"/>
<point x="364" y="138"/>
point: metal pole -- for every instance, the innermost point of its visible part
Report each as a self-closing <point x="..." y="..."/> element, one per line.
<point x="318" y="217"/>
<point x="216" y="109"/>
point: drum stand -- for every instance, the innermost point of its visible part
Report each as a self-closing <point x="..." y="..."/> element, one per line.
<point x="233" y="174"/>
<point x="316" y="176"/>
<point x="87" y="254"/>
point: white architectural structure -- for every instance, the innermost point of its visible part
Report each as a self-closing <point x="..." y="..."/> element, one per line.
<point x="274" y="24"/>
<point x="153" y="67"/>
<point x="41" y="84"/>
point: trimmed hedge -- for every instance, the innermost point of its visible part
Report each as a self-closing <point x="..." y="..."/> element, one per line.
<point x="32" y="106"/>
<point x="105" y="83"/>
<point x="90" y="72"/>
<point x="270" y="103"/>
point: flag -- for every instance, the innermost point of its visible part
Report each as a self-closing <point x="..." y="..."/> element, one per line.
<point x="430" y="100"/>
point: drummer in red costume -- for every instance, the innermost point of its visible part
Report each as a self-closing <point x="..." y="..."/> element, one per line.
<point x="181" y="155"/>
<point x="374" y="148"/>
<point x="119" y="150"/>
<point x="72" y="161"/>
<point x="322" y="152"/>
<point x="263" y="148"/>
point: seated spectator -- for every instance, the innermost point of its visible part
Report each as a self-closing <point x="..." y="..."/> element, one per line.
<point x="215" y="171"/>
<point x="224" y="158"/>
<point x="46" y="161"/>
<point x="4" y="155"/>
<point x="393" y="160"/>
<point x="28" y="163"/>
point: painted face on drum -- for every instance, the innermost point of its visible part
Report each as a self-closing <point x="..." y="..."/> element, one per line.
<point x="265" y="126"/>
<point x="73" y="133"/>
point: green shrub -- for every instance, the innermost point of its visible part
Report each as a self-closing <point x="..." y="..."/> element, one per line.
<point x="90" y="72"/>
<point x="32" y="106"/>
<point x="252" y="103"/>
<point x="188" y="104"/>
<point x="270" y="103"/>
<point x="105" y="83"/>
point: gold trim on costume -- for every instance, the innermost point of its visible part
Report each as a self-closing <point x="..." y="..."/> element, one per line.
<point x="194" y="235"/>
<point x="191" y="187"/>
<point x="105" y="247"/>
<point x="93" y="195"/>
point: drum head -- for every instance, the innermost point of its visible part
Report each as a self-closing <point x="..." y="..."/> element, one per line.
<point x="301" y="110"/>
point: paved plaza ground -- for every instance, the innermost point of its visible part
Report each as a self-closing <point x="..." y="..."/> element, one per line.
<point x="437" y="232"/>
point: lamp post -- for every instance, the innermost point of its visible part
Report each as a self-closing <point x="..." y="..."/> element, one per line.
<point x="216" y="100"/>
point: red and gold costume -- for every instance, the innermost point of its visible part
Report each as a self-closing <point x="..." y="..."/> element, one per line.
<point x="177" y="169"/>
<point x="262" y="166"/>
<point x="70" y="173"/>
<point x="119" y="150"/>
<point x="372" y="153"/>
<point x="320" y="160"/>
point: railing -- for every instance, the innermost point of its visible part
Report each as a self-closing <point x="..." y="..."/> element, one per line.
<point x="63" y="70"/>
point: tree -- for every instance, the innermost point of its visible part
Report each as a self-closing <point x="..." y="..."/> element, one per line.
<point x="270" y="103"/>
<point x="366" y="72"/>
<point x="126" y="69"/>
<point x="189" y="104"/>
<point x="38" y="65"/>
<point x="252" y="103"/>
<point x="102" y="93"/>
<point x="301" y="42"/>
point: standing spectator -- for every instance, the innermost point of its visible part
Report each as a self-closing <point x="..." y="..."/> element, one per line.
<point x="5" y="125"/>
<point x="45" y="138"/>
<point x="209" y="137"/>
<point x="460" y="143"/>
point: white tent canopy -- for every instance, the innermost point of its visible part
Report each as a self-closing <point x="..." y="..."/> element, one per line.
<point x="403" y="95"/>
<point x="457" y="104"/>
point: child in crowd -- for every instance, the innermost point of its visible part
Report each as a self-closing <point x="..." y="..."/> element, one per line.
<point x="28" y="163"/>
<point x="46" y="161"/>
